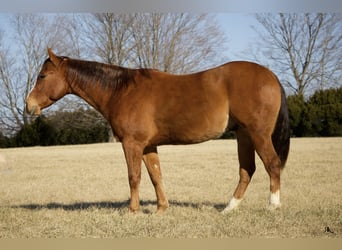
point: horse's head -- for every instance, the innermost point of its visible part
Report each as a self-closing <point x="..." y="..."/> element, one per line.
<point x="50" y="85"/>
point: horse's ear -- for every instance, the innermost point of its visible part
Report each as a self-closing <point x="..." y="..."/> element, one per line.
<point x="54" y="59"/>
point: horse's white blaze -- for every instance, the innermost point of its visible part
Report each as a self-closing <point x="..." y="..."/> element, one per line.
<point x="275" y="199"/>
<point x="233" y="204"/>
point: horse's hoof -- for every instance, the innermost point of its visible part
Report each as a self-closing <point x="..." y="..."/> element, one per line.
<point x="162" y="209"/>
<point x="229" y="210"/>
<point x="232" y="205"/>
<point x="274" y="207"/>
<point x="133" y="211"/>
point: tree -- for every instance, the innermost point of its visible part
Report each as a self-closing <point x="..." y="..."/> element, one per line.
<point x="325" y="107"/>
<point x="298" y="114"/>
<point x="319" y="115"/>
<point x="176" y="43"/>
<point x="39" y="132"/>
<point x="78" y="126"/>
<point x="9" y="90"/>
<point x="305" y="49"/>
<point x="106" y="37"/>
<point x="4" y="141"/>
<point x="19" y="67"/>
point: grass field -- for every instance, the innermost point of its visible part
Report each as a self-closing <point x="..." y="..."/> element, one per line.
<point x="82" y="191"/>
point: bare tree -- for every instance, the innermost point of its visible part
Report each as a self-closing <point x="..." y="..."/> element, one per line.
<point x="106" y="37"/>
<point x="9" y="90"/>
<point x="304" y="49"/>
<point x="32" y="34"/>
<point x="175" y="43"/>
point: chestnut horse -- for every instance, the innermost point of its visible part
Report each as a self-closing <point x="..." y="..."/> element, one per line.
<point x="147" y="108"/>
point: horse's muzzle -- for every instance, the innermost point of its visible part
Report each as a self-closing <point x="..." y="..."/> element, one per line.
<point x="32" y="107"/>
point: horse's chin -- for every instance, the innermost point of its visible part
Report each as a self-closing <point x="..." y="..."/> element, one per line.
<point x="36" y="111"/>
<point x="33" y="110"/>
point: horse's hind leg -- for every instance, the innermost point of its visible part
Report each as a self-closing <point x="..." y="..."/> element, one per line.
<point x="152" y="163"/>
<point x="265" y="149"/>
<point x="247" y="168"/>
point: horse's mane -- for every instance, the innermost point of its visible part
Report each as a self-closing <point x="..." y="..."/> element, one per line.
<point x="106" y="75"/>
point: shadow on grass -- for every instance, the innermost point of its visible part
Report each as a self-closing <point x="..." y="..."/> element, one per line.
<point x="117" y="205"/>
<point x="76" y="206"/>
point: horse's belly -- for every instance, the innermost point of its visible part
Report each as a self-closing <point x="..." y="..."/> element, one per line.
<point x="199" y="130"/>
<point x="194" y="119"/>
<point x="214" y="127"/>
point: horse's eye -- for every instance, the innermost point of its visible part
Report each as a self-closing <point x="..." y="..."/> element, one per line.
<point x="41" y="76"/>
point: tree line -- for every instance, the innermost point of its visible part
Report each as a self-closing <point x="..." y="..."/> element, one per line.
<point x="319" y="115"/>
<point x="81" y="126"/>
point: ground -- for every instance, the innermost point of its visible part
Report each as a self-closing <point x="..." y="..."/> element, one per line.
<point x="82" y="191"/>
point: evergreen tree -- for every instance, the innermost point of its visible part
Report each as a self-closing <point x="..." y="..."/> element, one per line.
<point x="320" y="115"/>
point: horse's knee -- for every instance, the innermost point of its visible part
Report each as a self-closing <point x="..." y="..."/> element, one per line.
<point x="134" y="180"/>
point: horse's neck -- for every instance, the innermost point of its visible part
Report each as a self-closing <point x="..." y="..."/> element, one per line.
<point x="98" y="83"/>
<point x="93" y="96"/>
<point x="92" y="93"/>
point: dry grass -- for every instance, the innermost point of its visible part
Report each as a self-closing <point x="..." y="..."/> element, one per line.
<point x="82" y="191"/>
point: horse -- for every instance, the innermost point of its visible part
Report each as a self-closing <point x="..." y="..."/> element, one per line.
<point x="147" y="108"/>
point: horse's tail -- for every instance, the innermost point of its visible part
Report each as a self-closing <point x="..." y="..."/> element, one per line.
<point x="281" y="133"/>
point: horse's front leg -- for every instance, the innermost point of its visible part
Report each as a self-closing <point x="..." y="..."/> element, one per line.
<point x="133" y="153"/>
<point x="152" y="163"/>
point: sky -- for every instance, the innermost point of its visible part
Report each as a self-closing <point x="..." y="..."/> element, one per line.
<point x="246" y="6"/>
<point x="235" y="17"/>
<point x="236" y="27"/>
